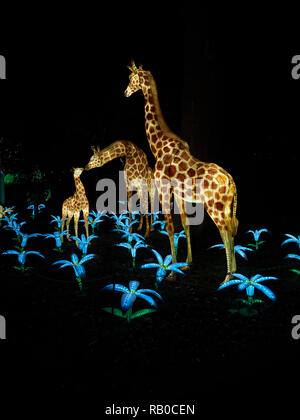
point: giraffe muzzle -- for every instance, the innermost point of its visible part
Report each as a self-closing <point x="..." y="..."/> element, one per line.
<point x="127" y="93"/>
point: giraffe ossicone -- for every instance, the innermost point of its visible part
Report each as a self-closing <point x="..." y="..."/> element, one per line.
<point x="174" y="161"/>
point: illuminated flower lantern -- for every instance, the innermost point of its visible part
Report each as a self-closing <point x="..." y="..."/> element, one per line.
<point x="137" y="173"/>
<point x="164" y="265"/>
<point x="77" y="266"/>
<point x="191" y="179"/>
<point x="73" y="205"/>
<point x="129" y="297"/>
<point x="3" y="211"/>
<point x="22" y="257"/>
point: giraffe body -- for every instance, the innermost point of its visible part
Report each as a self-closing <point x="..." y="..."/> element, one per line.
<point x="137" y="173"/>
<point x="73" y="205"/>
<point x="176" y="166"/>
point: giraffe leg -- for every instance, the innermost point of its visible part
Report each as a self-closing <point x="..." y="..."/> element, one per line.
<point x="227" y="240"/>
<point x="64" y="215"/>
<point x="139" y="193"/>
<point x="76" y="218"/>
<point x="86" y="221"/>
<point x="147" y="226"/>
<point x="186" y="227"/>
<point x="165" y="200"/>
<point x="129" y="196"/>
<point x="151" y="221"/>
<point x="70" y="215"/>
<point x="233" y="261"/>
<point x="141" y="222"/>
<point x="151" y="192"/>
<point x="144" y="209"/>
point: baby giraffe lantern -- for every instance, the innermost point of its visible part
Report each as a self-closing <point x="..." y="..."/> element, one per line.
<point x="73" y="205"/>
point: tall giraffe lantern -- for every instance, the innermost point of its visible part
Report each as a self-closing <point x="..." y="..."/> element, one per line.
<point x="176" y="166"/>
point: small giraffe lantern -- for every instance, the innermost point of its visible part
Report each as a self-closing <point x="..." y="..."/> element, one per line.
<point x="73" y="205"/>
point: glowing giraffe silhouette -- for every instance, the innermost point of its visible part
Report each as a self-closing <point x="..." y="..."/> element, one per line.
<point x="73" y="205"/>
<point x="175" y="165"/>
<point x="137" y="174"/>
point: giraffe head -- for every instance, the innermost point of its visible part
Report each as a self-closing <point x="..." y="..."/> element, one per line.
<point x="96" y="160"/>
<point x="134" y="79"/>
<point x="77" y="172"/>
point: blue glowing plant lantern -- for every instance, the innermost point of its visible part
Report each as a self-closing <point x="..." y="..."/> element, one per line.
<point x="238" y="249"/>
<point x="256" y="235"/>
<point x="22" y="257"/>
<point x="133" y="249"/>
<point x="77" y="266"/>
<point x="95" y="218"/>
<point x="132" y="236"/>
<point x="125" y="225"/>
<point x="41" y="207"/>
<point x="296" y="257"/>
<point x="164" y="265"/>
<point x="83" y="242"/>
<point x="129" y="297"/>
<point x="119" y="220"/>
<point x="56" y="235"/>
<point x="161" y="224"/>
<point x="291" y="239"/>
<point x="244" y="283"/>
<point x="155" y="216"/>
<point x="16" y="227"/>
<point x="26" y="236"/>
<point x="32" y="208"/>
<point x="13" y="225"/>
<point x="9" y="217"/>
<point x="57" y="220"/>
<point x="177" y="236"/>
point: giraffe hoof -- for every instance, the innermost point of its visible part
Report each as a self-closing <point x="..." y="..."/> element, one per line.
<point x="171" y="276"/>
<point x="228" y="277"/>
<point x="185" y="268"/>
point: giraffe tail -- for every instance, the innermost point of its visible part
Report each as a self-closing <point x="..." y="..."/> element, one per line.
<point x="234" y="220"/>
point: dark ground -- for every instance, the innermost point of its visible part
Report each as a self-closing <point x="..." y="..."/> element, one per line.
<point x="193" y="348"/>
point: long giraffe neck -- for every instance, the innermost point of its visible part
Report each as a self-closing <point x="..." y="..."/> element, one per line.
<point x="155" y="124"/>
<point x="115" y="150"/>
<point x="79" y="186"/>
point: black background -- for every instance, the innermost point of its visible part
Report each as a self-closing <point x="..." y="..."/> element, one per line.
<point x="224" y="82"/>
<point x="66" y="74"/>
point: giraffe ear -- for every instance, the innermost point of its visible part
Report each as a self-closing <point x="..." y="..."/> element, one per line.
<point x="93" y="149"/>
